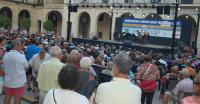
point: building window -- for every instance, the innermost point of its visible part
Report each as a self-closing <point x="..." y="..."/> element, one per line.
<point x="186" y="1"/>
<point x="105" y="1"/>
<point x="126" y="1"/>
<point x="155" y="1"/>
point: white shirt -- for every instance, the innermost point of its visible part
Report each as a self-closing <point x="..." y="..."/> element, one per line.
<point x="65" y="97"/>
<point x="163" y="62"/>
<point x="35" y="62"/>
<point x="118" y="91"/>
<point x="185" y="85"/>
<point x="15" y="64"/>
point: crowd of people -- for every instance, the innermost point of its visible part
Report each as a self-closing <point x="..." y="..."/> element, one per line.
<point x="60" y="72"/>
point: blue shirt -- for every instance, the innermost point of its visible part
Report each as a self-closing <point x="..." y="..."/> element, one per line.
<point x="31" y="50"/>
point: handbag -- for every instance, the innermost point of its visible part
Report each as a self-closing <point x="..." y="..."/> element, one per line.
<point x="147" y="85"/>
<point x="54" y="96"/>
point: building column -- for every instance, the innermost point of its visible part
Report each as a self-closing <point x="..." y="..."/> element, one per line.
<point x="93" y="25"/>
<point x="15" y="19"/>
<point x="75" y="24"/>
<point x="113" y="25"/>
<point x="64" y="24"/>
<point x="198" y="42"/>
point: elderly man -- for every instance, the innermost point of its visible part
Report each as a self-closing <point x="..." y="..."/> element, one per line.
<point x="76" y="58"/>
<point x="185" y="85"/>
<point x="35" y="63"/>
<point x="48" y="72"/>
<point x="15" y="64"/>
<point x="120" y="90"/>
<point x="31" y="50"/>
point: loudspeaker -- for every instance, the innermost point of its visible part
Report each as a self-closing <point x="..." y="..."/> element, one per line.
<point x="159" y="9"/>
<point x="167" y="9"/>
<point x="73" y="8"/>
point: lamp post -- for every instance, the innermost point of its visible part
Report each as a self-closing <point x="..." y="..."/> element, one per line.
<point x="69" y="21"/>
<point x="174" y="29"/>
<point x="197" y="32"/>
<point x="111" y="21"/>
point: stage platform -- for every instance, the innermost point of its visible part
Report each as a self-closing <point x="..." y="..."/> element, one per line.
<point x="138" y="46"/>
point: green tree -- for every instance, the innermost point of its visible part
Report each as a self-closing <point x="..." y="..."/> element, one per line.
<point x="25" y="23"/>
<point x="5" y="22"/>
<point x="48" y="25"/>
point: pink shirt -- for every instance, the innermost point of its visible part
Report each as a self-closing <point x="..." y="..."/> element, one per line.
<point x="188" y="100"/>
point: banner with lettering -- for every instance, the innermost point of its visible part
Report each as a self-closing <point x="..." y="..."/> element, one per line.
<point x="155" y="28"/>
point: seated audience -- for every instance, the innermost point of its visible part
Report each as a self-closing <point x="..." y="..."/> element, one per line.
<point x="68" y="80"/>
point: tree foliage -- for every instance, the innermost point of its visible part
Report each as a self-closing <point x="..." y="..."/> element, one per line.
<point x="5" y="21"/>
<point x="25" y="23"/>
<point x="48" y="25"/>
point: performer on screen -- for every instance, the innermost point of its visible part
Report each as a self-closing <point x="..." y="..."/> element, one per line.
<point x="116" y="35"/>
<point x="146" y="36"/>
<point x="139" y="35"/>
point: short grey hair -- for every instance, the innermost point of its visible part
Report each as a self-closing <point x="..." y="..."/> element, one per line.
<point x="74" y="52"/>
<point x="185" y="72"/>
<point x="16" y="43"/>
<point x="86" y="62"/>
<point x="55" y="51"/>
<point x="123" y="62"/>
<point x="42" y="51"/>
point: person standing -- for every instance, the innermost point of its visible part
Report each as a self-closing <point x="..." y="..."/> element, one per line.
<point x="31" y="50"/>
<point x="195" y="99"/>
<point x="87" y="82"/>
<point x="76" y="56"/>
<point x="48" y="72"/>
<point x="2" y="53"/>
<point x="68" y="79"/>
<point x="115" y="92"/>
<point x="15" y="75"/>
<point x="148" y="74"/>
<point x="185" y="85"/>
<point x="35" y="63"/>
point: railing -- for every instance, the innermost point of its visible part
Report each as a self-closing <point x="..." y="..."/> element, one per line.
<point x="182" y="45"/>
<point x="39" y="2"/>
